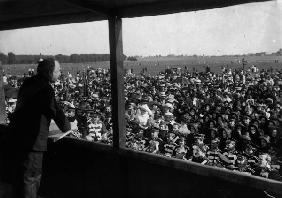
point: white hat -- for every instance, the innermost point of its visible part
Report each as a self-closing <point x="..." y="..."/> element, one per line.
<point x="72" y="86"/>
<point x="169" y="105"/>
<point x="177" y="85"/>
<point x="171" y="96"/>
<point x="95" y="96"/>
<point x="171" y="100"/>
<point x="162" y="93"/>
<point x="168" y="114"/>
<point x="146" y="108"/>
<point x="198" y="81"/>
<point x="67" y="103"/>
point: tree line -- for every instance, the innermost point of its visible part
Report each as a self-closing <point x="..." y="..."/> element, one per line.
<point x="12" y="58"/>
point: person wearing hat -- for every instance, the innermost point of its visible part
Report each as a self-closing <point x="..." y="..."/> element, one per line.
<point x="181" y="150"/>
<point x="144" y="116"/>
<point x="81" y="116"/>
<point x="162" y="98"/>
<point x="270" y="125"/>
<point x="250" y="154"/>
<point x="107" y="117"/>
<point x="243" y="141"/>
<point x="170" y="145"/>
<point x="254" y="133"/>
<point x="130" y="111"/>
<point x="154" y="107"/>
<point x="154" y="142"/>
<point x="96" y="128"/>
<point x="163" y="130"/>
<point x="169" y="106"/>
<point x="171" y="98"/>
<point x="29" y="127"/>
<point x="264" y="166"/>
<point x="238" y="131"/>
<point x="263" y="123"/>
<point x="211" y="124"/>
<point x="11" y="106"/>
<point x="183" y="129"/>
<point x="211" y="134"/>
<point x="275" y="139"/>
<point x="70" y="114"/>
<point x="169" y="118"/>
<point x="231" y="154"/>
<point x="264" y="144"/>
<point x="246" y="121"/>
<point x="224" y="135"/>
<point x="242" y="164"/>
<point x="199" y="149"/>
<point x="232" y="122"/>
<point x="214" y="154"/>
<point x="193" y="113"/>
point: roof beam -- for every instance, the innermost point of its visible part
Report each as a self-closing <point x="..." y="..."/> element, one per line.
<point x="170" y="7"/>
<point x="89" y="5"/>
<point x="31" y="13"/>
<point x="51" y="20"/>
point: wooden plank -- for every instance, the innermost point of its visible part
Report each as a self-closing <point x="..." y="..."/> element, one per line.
<point x="170" y="7"/>
<point x="117" y="81"/>
<point x="56" y="137"/>
<point x="2" y="98"/>
<point x="208" y="171"/>
<point x="67" y="18"/>
<point x="76" y="11"/>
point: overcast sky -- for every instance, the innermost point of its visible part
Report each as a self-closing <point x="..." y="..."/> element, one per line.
<point x="247" y="28"/>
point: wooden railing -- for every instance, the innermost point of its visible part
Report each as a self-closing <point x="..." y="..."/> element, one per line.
<point x="203" y="170"/>
<point x="236" y="177"/>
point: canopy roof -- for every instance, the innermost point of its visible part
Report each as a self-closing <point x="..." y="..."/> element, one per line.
<point x="28" y="13"/>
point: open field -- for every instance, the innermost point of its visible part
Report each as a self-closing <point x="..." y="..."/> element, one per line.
<point x="156" y="64"/>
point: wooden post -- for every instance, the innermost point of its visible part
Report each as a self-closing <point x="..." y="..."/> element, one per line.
<point x="2" y="98"/>
<point x="117" y="81"/>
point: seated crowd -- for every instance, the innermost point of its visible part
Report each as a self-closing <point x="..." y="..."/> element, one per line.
<point x="231" y="120"/>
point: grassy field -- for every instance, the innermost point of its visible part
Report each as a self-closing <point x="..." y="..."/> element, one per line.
<point x="157" y="64"/>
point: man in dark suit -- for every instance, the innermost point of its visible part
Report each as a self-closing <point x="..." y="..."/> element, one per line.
<point x="29" y="127"/>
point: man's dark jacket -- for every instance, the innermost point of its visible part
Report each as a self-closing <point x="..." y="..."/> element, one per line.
<point x="36" y="106"/>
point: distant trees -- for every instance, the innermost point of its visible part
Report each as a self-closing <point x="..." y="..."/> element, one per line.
<point x="79" y="58"/>
<point x="131" y="58"/>
<point x="3" y="58"/>
<point x="260" y="54"/>
<point x="11" y="58"/>
<point x="62" y="58"/>
<point x="74" y="58"/>
<point x="279" y="52"/>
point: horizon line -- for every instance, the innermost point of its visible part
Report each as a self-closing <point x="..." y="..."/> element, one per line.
<point x="155" y="55"/>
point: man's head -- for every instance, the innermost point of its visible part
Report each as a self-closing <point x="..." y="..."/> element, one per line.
<point x="95" y="118"/>
<point x="49" y="68"/>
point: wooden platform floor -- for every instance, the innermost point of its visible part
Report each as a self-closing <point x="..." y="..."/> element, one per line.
<point x="5" y="190"/>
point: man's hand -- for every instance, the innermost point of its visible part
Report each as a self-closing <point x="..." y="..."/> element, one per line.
<point x="59" y="136"/>
<point x="76" y="134"/>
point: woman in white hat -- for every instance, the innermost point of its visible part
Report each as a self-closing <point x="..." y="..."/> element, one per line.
<point x="144" y="116"/>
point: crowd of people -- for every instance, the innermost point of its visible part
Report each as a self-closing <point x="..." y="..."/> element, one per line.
<point x="231" y="119"/>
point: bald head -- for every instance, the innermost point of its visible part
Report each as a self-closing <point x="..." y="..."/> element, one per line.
<point x="49" y="68"/>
